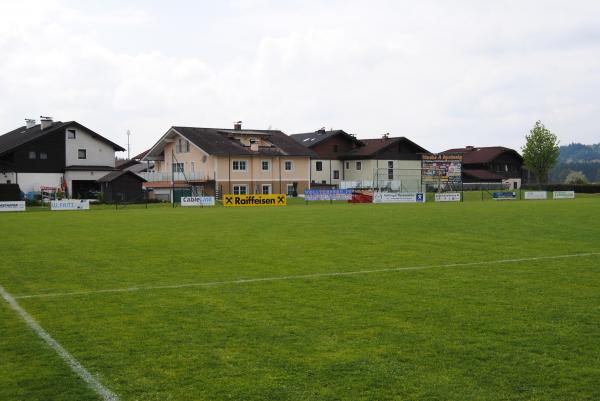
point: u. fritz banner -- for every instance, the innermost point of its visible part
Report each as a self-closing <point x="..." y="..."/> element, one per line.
<point x="255" y="200"/>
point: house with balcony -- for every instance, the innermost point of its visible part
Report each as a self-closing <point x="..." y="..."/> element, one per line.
<point x="217" y="161"/>
<point x="55" y="155"/>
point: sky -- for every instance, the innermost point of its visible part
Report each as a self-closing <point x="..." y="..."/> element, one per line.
<point x="443" y="74"/>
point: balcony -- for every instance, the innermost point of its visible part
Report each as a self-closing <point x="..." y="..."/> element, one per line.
<point x="164" y="176"/>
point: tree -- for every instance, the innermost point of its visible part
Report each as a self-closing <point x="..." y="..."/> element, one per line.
<point x="576" y="177"/>
<point x="541" y="151"/>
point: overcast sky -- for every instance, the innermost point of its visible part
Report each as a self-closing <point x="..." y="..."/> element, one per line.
<point x="444" y="74"/>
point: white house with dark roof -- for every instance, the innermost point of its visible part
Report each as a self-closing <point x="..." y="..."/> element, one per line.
<point x="65" y="155"/>
<point x="216" y="161"/>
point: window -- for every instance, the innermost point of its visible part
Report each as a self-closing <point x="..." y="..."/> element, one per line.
<point x="319" y="166"/>
<point x="265" y="165"/>
<point x="266" y="189"/>
<point x="290" y="190"/>
<point x="238" y="165"/>
<point x="43" y="156"/>
<point x="506" y="168"/>
<point x="240" y="189"/>
<point x="324" y="182"/>
<point x="347" y="165"/>
<point x="177" y="167"/>
<point x="32" y="155"/>
<point x="336" y="174"/>
<point x="390" y="164"/>
<point x="358" y="166"/>
<point x="71" y="134"/>
<point x="81" y="154"/>
<point x="390" y="170"/>
<point x="183" y="146"/>
<point x="192" y="167"/>
<point x="288" y="165"/>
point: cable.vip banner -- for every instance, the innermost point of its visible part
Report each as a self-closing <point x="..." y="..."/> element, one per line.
<point x="255" y="200"/>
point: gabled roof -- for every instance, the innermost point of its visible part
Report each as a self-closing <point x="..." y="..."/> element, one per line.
<point x="373" y="146"/>
<point x="116" y="174"/>
<point x="310" y="139"/>
<point x="22" y="135"/>
<point x="218" y="141"/>
<point x="480" y="155"/>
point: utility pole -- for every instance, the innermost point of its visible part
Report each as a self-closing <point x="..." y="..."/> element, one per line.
<point x="128" y="135"/>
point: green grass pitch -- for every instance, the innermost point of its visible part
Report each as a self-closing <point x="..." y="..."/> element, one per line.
<point x="476" y="330"/>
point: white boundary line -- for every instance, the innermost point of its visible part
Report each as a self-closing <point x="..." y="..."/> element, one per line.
<point x="305" y="276"/>
<point x="73" y="363"/>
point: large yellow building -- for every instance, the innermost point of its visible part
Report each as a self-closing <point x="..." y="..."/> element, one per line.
<point x="214" y="161"/>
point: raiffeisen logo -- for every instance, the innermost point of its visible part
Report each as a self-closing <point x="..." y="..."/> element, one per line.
<point x="255" y="200"/>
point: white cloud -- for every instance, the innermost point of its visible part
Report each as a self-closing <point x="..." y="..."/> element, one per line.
<point x="441" y="74"/>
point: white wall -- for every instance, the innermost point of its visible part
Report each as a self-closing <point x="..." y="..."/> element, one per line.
<point x="98" y="153"/>
<point x="326" y="174"/>
<point x="29" y="182"/>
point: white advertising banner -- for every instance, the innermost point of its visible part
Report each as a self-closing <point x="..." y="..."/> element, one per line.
<point x="16" y="206"/>
<point x="531" y="195"/>
<point x="398" y="197"/>
<point x="563" y="195"/>
<point x="70" y="204"/>
<point x="448" y="197"/>
<point x="197" y="201"/>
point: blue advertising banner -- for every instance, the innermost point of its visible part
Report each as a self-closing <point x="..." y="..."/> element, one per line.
<point x="327" y="194"/>
<point x="504" y="195"/>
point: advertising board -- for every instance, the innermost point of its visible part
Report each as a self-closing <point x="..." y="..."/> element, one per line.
<point x="197" y="201"/>
<point x="441" y="168"/>
<point x="70" y="204"/>
<point x="535" y="195"/>
<point x="563" y="195"/>
<point x="254" y="200"/>
<point x="398" y="197"/>
<point x="447" y="197"/>
<point x="16" y="206"/>
<point x="504" y="195"/>
<point x="327" y="194"/>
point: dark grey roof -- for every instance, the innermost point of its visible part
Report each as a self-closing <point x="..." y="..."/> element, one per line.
<point x="116" y="174"/>
<point x="373" y="146"/>
<point x="22" y="135"/>
<point x="89" y="168"/>
<point x="216" y="141"/>
<point x="309" y="139"/>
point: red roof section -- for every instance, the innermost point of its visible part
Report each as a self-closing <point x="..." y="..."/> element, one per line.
<point x="476" y="155"/>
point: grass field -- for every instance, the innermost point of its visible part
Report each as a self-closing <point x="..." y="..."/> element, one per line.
<point x="468" y="301"/>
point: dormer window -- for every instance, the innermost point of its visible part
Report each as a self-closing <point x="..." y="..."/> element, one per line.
<point x="253" y="141"/>
<point x="182" y="146"/>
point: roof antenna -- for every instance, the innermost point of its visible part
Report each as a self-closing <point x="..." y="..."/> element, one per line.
<point x="128" y="135"/>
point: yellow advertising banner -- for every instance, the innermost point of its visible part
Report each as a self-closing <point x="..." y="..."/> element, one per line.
<point x="255" y="200"/>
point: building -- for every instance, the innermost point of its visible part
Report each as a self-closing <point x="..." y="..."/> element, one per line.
<point x="327" y="167"/>
<point x="54" y="154"/>
<point x="494" y="164"/>
<point x="122" y="186"/>
<point x="215" y="161"/>
<point x="346" y="162"/>
<point x="392" y="163"/>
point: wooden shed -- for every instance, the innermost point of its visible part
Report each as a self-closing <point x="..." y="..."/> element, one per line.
<point x="121" y="186"/>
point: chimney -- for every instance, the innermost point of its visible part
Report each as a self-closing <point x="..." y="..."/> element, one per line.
<point x="237" y="126"/>
<point x="45" y="122"/>
<point x="29" y="123"/>
<point x="321" y="131"/>
<point x="386" y="135"/>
